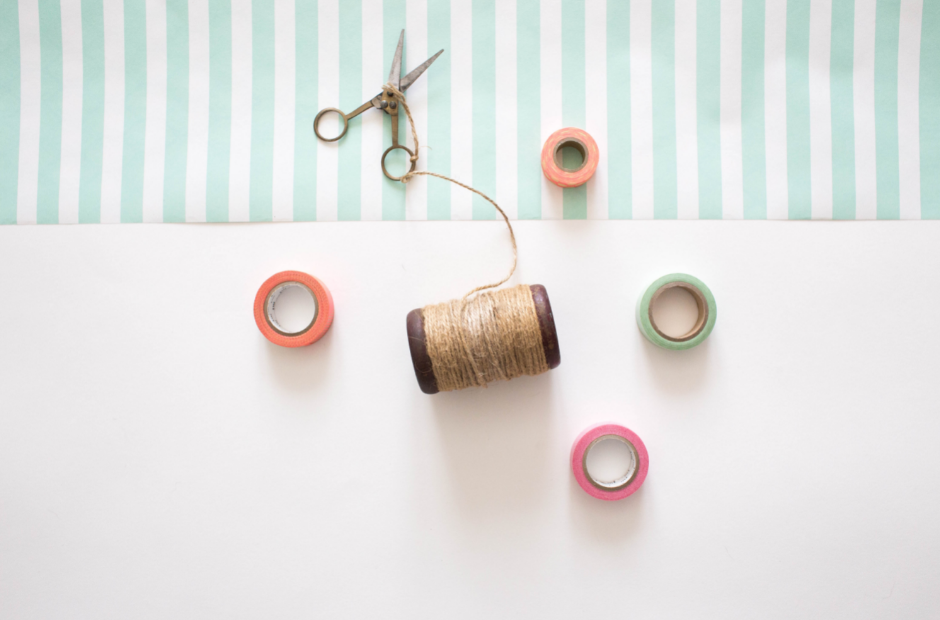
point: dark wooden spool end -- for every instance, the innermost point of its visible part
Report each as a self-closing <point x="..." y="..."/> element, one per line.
<point x="419" y="346"/>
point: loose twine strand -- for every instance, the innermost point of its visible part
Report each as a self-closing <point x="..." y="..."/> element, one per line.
<point x="498" y="332"/>
<point x="409" y="175"/>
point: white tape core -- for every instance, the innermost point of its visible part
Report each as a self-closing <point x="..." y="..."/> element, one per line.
<point x="291" y="308"/>
<point x="675" y="312"/>
<point x="610" y="462"/>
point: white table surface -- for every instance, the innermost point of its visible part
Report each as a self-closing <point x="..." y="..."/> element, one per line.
<point x="160" y="459"/>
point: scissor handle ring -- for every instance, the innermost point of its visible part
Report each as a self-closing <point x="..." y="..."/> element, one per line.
<point x="389" y="150"/>
<point x="316" y="124"/>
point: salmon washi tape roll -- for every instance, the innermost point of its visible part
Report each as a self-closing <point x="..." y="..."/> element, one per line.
<point x="625" y="485"/>
<point x="266" y="309"/>
<point x="579" y="140"/>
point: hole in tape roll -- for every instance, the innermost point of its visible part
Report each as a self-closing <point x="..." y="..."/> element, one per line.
<point x="570" y="155"/>
<point x="610" y="462"/>
<point x="291" y="308"/>
<point x="678" y="311"/>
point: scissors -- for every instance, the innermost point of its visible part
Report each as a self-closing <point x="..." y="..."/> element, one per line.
<point x="383" y="101"/>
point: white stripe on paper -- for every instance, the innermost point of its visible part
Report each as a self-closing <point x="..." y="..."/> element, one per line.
<point x="112" y="156"/>
<point x="507" y="136"/>
<point x="30" y="110"/>
<point x="461" y="109"/>
<point x="909" y="107"/>
<point x="155" y="130"/>
<point x="416" y="44"/>
<point x="197" y="145"/>
<point x="285" y="71"/>
<point x="240" y="159"/>
<point x="374" y="74"/>
<point x="72" y="87"/>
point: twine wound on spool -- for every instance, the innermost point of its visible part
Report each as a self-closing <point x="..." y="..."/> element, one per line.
<point x="497" y="335"/>
<point x="487" y="335"/>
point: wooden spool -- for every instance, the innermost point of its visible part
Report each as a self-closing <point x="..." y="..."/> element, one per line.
<point x="417" y="340"/>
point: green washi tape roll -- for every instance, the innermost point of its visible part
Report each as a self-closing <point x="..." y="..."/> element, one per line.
<point x="707" y="312"/>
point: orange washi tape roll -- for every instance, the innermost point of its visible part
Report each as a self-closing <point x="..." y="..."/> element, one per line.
<point x="579" y="140"/>
<point x="266" y="315"/>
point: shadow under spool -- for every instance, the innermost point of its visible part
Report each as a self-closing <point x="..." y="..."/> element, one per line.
<point x="417" y="340"/>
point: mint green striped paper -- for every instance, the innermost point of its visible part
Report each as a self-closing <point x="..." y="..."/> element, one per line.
<point x="197" y="110"/>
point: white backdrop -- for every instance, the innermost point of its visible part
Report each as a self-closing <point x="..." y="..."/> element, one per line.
<point x="159" y="458"/>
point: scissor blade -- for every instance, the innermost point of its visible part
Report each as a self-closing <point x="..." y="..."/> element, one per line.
<point x="394" y="76"/>
<point x="409" y="79"/>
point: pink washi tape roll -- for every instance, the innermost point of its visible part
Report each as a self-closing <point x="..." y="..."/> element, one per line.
<point x="623" y="486"/>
